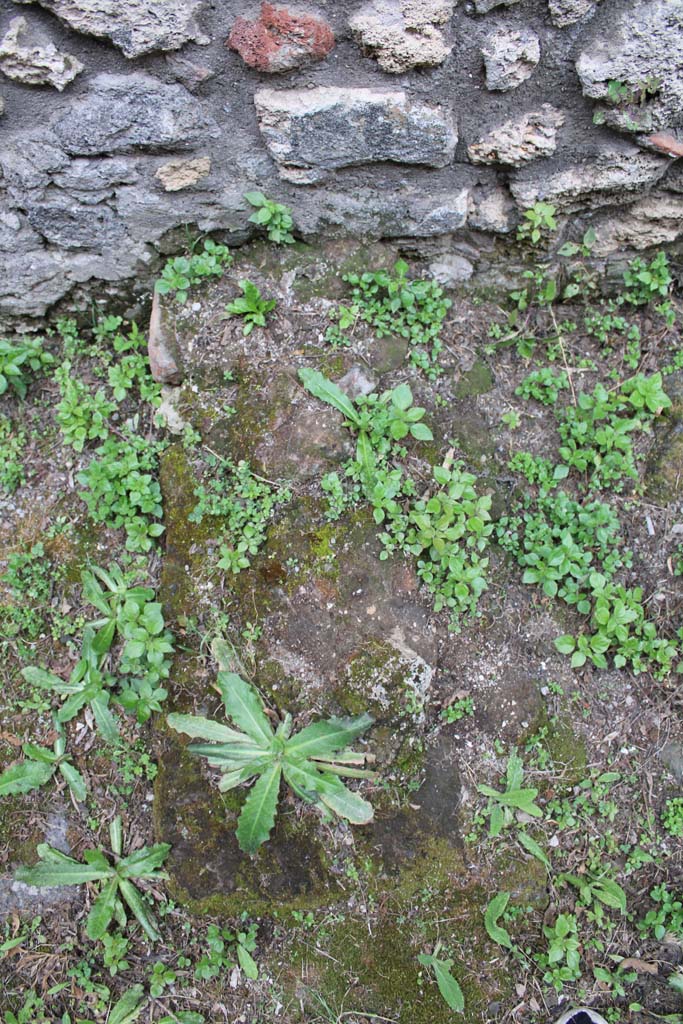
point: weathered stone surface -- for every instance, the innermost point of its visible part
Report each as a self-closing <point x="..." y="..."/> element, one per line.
<point x="492" y="209"/>
<point x="178" y="174"/>
<point x="121" y="113"/>
<point x="188" y="73"/>
<point x="635" y="47"/>
<point x="609" y="177"/>
<point x="510" y="57"/>
<point x="30" y="57"/>
<point x="312" y="131"/>
<point x="484" y="6"/>
<point x="671" y="756"/>
<point x="568" y="12"/>
<point x="663" y="476"/>
<point x="136" y="26"/>
<point x="519" y="141"/>
<point x="451" y="269"/>
<point x="280" y="39"/>
<point x="162" y="346"/>
<point x="405" y="213"/>
<point x="655" y="220"/>
<point x="402" y="34"/>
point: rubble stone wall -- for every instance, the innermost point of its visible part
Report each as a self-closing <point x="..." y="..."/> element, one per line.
<point x="431" y="121"/>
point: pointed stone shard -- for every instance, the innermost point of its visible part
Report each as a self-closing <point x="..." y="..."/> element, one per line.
<point x="30" y="57"/>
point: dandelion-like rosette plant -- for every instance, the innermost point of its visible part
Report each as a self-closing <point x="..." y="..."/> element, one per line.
<point x="311" y="761"/>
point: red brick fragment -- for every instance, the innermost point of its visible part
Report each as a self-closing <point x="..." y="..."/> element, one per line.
<point x="666" y="144"/>
<point x="279" y="40"/>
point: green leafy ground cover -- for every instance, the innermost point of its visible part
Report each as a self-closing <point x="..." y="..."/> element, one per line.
<point x="516" y="844"/>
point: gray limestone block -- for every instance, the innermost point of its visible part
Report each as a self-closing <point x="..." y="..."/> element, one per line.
<point x="121" y="113"/>
<point x="309" y="132"/>
<point x="135" y="26"/>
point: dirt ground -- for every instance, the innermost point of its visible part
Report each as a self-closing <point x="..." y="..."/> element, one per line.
<point x="323" y="626"/>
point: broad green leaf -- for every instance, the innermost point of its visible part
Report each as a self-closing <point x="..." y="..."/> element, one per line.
<point x="523" y="799"/>
<point x="39" y="753"/>
<point x="74" y="781"/>
<point x="257" y="817"/>
<point x="206" y="729"/>
<point x="102" y="910"/>
<point x="48" y="681"/>
<point x="365" y="456"/>
<point x="565" y="644"/>
<point x="243" y="705"/>
<point x="59" y="870"/>
<point x="327" y="391"/>
<point x="496" y="821"/>
<point x="327" y="737"/>
<point x="494" y="910"/>
<point x="139" y="908"/>
<point x="247" y="962"/>
<point x="129" y="1007"/>
<point x="610" y="893"/>
<point x="230" y="756"/>
<point x="345" y="803"/>
<point x="106" y="722"/>
<point x="22" y="778"/>
<point x="255" y="198"/>
<point x="421" y="432"/>
<point x="144" y="863"/>
<point x="311" y="785"/>
<point x="448" y="986"/>
<point x="533" y="848"/>
<point x="104" y="637"/>
<point x="225" y="655"/>
<point x="234" y="778"/>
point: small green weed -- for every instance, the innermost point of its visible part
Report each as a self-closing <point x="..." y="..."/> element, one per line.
<point x="394" y="304"/>
<point x="458" y="709"/>
<point x="39" y="765"/>
<point x="666" y="918"/>
<point x="274" y="217"/>
<point x="182" y="273"/>
<point x="672" y="817"/>
<point x="503" y="804"/>
<point x="246" y="503"/>
<point x="12" y="442"/>
<point x="121" y="489"/>
<point x="250" y="306"/>
<point x="543" y="385"/>
<point x="116" y="888"/>
<point x="450" y="990"/>
<point x="81" y="415"/>
<point x="17" y="360"/>
<point x="537" y="221"/>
